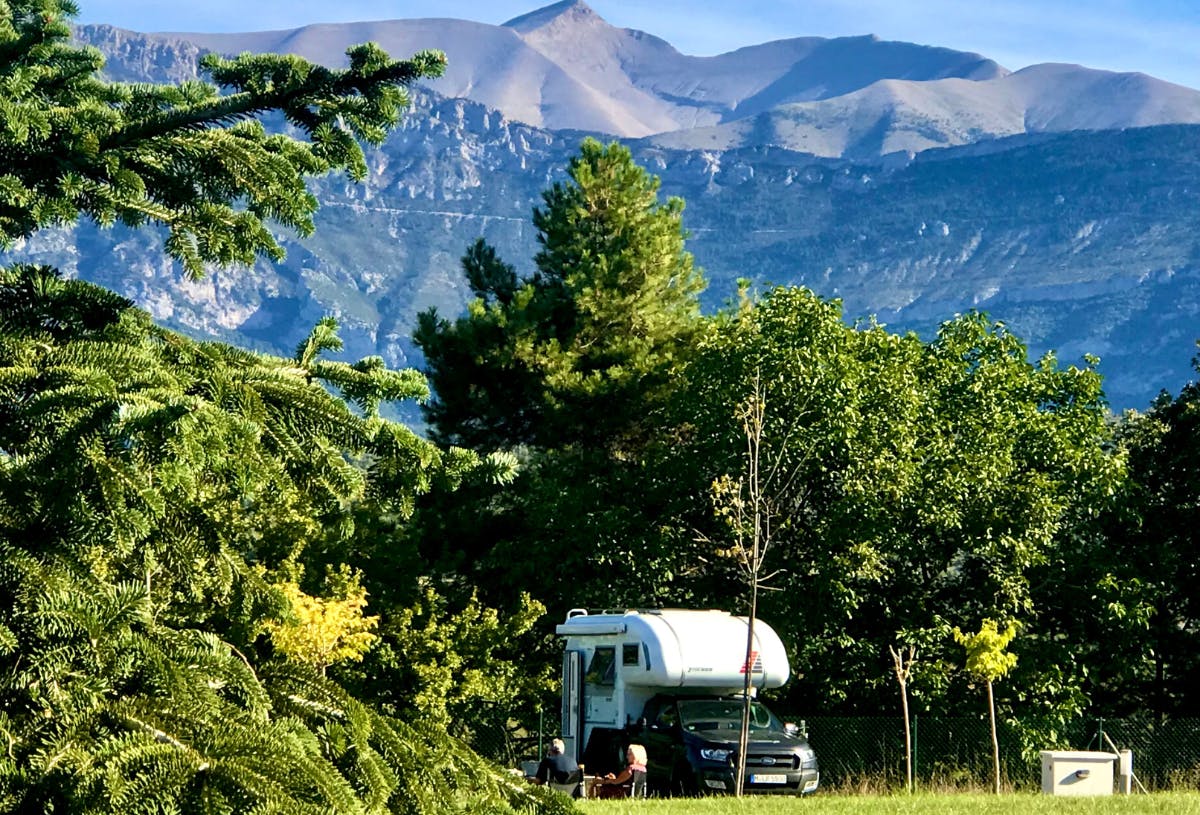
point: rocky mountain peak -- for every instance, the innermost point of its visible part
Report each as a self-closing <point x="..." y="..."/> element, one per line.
<point x="568" y="13"/>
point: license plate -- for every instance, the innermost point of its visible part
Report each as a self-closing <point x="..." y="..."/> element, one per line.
<point x="760" y="778"/>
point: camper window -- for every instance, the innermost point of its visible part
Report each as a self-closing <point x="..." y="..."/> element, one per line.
<point x="601" y="669"/>
<point x="629" y="654"/>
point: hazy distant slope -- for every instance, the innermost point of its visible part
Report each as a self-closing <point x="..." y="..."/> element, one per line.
<point x="1084" y="242"/>
<point x="646" y="72"/>
<point x="564" y="67"/>
<point x="897" y="115"/>
<point x="486" y="63"/>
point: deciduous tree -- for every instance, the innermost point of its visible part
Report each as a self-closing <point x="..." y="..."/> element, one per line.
<point x="933" y="481"/>
<point x="988" y="661"/>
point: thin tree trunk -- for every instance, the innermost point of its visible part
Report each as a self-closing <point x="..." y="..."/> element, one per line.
<point x="995" y="741"/>
<point x="908" y="770"/>
<point x="739" y="781"/>
<point x="902" y="662"/>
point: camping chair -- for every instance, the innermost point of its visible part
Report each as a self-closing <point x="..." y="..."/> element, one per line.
<point x="636" y="788"/>
<point x="573" y="786"/>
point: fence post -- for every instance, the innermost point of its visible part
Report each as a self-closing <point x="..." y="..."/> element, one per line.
<point x="1100" y="734"/>
<point x="541" y="731"/>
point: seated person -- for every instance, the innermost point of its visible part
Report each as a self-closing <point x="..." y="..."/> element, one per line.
<point x="557" y="766"/>
<point x="631" y="780"/>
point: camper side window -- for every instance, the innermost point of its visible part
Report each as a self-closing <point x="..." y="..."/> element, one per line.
<point x="629" y="654"/>
<point x="602" y="668"/>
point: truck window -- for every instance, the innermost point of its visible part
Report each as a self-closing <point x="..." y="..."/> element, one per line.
<point x="601" y="670"/>
<point x="629" y="654"/>
<point x="724" y="714"/>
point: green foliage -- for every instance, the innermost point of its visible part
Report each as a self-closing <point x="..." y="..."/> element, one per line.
<point x="155" y="491"/>
<point x="193" y="157"/>
<point x="1146" y="553"/>
<point x="156" y="457"/>
<point x="584" y="348"/>
<point x="571" y="370"/>
<point x="927" y="485"/>
<point x="449" y="663"/>
<point x="151" y="489"/>
<point x="117" y="714"/>
<point x="986" y="657"/>
<point x="932" y="481"/>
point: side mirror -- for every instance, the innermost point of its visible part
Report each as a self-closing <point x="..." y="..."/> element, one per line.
<point x="791" y="729"/>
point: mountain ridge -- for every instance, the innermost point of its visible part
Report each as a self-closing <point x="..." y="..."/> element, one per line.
<point x="1081" y="241"/>
<point x="577" y="71"/>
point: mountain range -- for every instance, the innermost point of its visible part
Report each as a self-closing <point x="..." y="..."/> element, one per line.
<point x="564" y="67"/>
<point x="913" y="182"/>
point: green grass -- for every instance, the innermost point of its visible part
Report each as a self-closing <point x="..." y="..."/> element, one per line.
<point x="1172" y="803"/>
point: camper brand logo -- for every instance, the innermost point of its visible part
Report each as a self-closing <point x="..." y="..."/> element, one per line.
<point x="750" y="664"/>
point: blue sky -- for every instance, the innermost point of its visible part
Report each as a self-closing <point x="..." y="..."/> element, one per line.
<point x="1158" y="37"/>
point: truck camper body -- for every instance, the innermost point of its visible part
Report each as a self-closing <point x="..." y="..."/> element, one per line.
<point x="674" y="679"/>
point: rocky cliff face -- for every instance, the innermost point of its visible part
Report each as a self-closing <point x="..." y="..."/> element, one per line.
<point x="1084" y="242"/>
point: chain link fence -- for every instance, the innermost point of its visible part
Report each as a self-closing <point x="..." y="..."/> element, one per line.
<point x="867" y="753"/>
<point x="509" y="737"/>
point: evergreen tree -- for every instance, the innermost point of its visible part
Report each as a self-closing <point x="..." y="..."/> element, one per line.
<point x="153" y="489"/>
<point x="156" y="491"/>
<point x="583" y="350"/>
<point x="571" y="367"/>
<point x="193" y="157"/>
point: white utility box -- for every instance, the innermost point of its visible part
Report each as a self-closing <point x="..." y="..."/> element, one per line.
<point x="1066" y="772"/>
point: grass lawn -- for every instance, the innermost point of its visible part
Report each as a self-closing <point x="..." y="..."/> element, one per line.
<point x="1167" y="803"/>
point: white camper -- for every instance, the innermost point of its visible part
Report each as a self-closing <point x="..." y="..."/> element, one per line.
<point x="632" y="676"/>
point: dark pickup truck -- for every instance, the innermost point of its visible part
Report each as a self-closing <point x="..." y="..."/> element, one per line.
<point x="692" y="744"/>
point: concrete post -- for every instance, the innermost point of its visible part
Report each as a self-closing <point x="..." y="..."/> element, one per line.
<point x="1124" y="771"/>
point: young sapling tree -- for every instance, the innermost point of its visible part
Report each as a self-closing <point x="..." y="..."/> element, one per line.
<point x="987" y="660"/>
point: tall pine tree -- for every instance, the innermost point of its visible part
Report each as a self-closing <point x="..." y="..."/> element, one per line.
<point x="583" y="349"/>
<point x="571" y="366"/>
